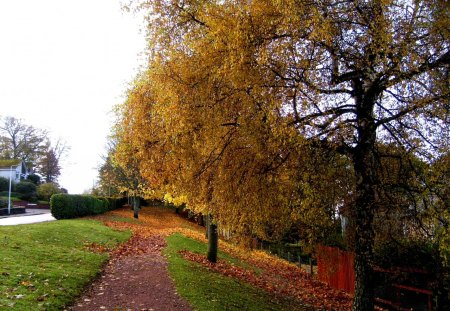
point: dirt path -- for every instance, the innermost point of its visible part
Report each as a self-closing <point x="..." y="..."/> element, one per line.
<point x="136" y="278"/>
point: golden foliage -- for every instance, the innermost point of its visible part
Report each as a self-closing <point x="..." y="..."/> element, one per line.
<point x="241" y="98"/>
<point x="223" y="117"/>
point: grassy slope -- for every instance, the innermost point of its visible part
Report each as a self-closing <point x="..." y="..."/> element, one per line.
<point x="44" y="266"/>
<point x="209" y="291"/>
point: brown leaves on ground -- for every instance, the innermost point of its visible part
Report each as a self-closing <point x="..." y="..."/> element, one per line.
<point x="280" y="280"/>
<point x="277" y="276"/>
<point x="221" y="266"/>
<point x="139" y="244"/>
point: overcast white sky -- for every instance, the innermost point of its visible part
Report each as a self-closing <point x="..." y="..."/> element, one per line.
<point x="63" y="65"/>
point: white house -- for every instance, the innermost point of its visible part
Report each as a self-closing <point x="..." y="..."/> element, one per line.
<point x="14" y="168"/>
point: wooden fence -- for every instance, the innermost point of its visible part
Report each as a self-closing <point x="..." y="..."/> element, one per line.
<point x="336" y="268"/>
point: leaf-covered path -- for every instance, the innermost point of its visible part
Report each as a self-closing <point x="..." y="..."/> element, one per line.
<point x="134" y="283"/>
<point x="136" y="277"/>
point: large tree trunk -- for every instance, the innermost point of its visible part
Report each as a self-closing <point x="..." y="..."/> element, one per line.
<point x="136" y="206"/>
<point x="365" y="167"/>
<point x="364" y="240"/>
<point x="213" y="240"/>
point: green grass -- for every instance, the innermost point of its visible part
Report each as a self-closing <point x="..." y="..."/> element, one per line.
<point x="45" y="266"/>
<point x="123" y="219"/>
<point x="209" y="291"/>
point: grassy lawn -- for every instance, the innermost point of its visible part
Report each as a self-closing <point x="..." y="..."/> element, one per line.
<point x="209" y="291"/>
<point x="45" y="266"/>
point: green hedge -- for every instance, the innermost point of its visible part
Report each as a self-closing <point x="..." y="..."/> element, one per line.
<point x="65" y="206"/>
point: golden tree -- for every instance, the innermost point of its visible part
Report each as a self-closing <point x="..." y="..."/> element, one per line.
<point x="237" y="89"/>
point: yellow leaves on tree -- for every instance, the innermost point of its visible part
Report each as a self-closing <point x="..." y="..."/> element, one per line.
<point x="244" y="102"/>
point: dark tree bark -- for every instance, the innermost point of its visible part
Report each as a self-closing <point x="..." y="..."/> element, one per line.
<point x="136" y="206"/>
<point x="364" y="235"/>
<point x="365" y="167"/>
<point x="200" y="220"/>
<point x="207" y="226"/>
<point x="213" y="240"/>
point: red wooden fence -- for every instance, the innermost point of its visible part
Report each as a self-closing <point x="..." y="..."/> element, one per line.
<point x="336" y="268"/>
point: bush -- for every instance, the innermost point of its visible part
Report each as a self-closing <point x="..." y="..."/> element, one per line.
<point x="4" y="184"/>
<point x="45" y="191"/>
<point x="27" y="190"/>
<point x="65" y="206"/>
<point x="6" y="194"/>
<point x="3" y="203"/>
<point x="407" y="253"/>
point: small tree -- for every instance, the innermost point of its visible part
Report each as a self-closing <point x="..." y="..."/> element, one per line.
<point x="45" y="191"/>
<point x="48" y="166"/>
<point x="120" y="173"/>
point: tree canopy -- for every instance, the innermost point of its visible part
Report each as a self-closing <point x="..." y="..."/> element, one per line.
<point x="20" y="141"/>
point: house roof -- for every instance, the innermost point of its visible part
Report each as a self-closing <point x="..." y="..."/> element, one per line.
<point x="9" y="163"/>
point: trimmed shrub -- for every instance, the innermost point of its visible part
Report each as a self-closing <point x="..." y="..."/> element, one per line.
<point x="27" y="190"/>
<point x="65" y="206"/>
<point x="3" y="203"/>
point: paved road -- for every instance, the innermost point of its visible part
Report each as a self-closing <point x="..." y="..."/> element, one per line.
<point x="28" y="218"/>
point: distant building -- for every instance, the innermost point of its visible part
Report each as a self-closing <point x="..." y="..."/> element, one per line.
<point x="17" y="169"/>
